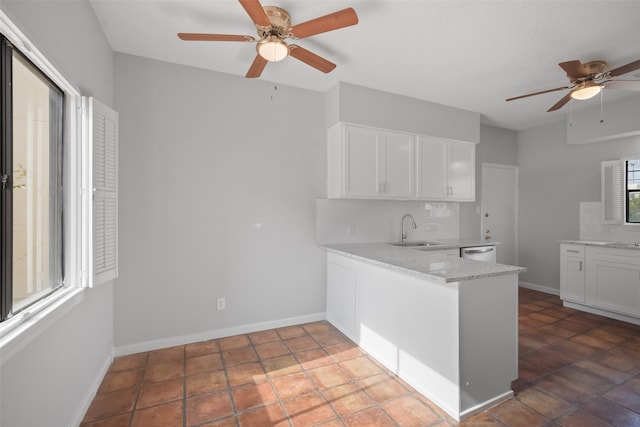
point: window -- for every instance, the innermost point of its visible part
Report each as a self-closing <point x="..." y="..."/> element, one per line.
<point x="632" y="191"/>
<point x="31" y="160"/>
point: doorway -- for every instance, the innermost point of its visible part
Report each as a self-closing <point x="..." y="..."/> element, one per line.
<point x="499" y="209"/>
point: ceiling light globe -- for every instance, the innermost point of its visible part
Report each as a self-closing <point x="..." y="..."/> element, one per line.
<point x="586" y="92"/>
<point x="273" y="50"/>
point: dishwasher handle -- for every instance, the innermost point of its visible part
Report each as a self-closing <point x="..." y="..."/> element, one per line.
<point x="478" y="251"/>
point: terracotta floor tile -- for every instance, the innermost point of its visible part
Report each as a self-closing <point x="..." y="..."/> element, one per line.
<point x="204" y="363"/>
<point x="272" y="416"/>
<point x="156" y="393"/>
<point x="620" y="359"/>
<point x="119" y="380"/>
<point x="361" y="367"/>
<point x="596" y="368"/>
<point x="581" y="418"/>
<point x="344" y="351"/>
<point x="328" y="376"/>
<point x="611" y="412"/>
<point x="164" y="371"/>
<point x="482" y="419"/>
<point x="263" y="337"/>
<point x="547" y="358"/>
<point x="301" y="344"/>
<point x="316" y="327"/>
<point x="166" y="355"/>
<point x="309" y="410"/>
<point x="253" y="395"/>
<point x="168" y="415"/>
<point x="313" y="358"/>
<point x="328" y="338"/>
<point x="348" y="399"/>
<point x="521" y="416"/>
<point x="556" y="330"/>
<point x="201" y="348"/>
<point x="580" y="351"/>
<point x="131" y="361"/>
<point x="205" y="382"/>
<point x="225" y="422"/>
<point x="543" y="402"/>
<point x="529" y="372"/>
<point x="236" y="341"/>
<point x="563" y="388"/>
<point x="382" y="388"/>
<point x="291" y="332"/>
<point x="604" y="333"/>
<point x="627" y="395"/>
<point x="121" y="420"/>
<point x="293" y="385"/>
<point x="281" y="365"/>
<point x="542" y="317"/>
<point x="584" y="379"/>
<point x="372" y="417"/>
<point x="109" y="404"/>
<point x="528" y="342"/>
<point x="409" y="411"/>
<point x="272" y="349"/>
<point x="245" y="374"/>
<point x="208" y="407"/>
<point x="238" y="356"/>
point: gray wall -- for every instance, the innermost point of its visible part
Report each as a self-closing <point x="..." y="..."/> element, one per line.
<point x="50" y="380"/>
<point x="554" y="178"/>
<point x="219" y="180"/>
<point x="496" y="145"/>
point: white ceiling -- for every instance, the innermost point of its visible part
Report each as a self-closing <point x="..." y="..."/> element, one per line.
<point x="466" y="54"/>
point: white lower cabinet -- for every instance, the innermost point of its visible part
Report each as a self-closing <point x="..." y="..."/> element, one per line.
<point x="602" y="278"/>
<point x="341" y="297"/>
<point x="613" y="279"/>
<point x="572" y="273"/>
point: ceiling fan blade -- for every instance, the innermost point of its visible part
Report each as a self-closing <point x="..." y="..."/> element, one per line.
<point x="537" y="93"/>
<point x="558" y="105"/>
<point x="623" y="85"/>
<point x="256" y="68"/>
<point x="311" y="58"/>
<point x="333" y="21"/>
<point x="635" y="65"/>
<point x="215" y="37"/>
<point x="574" y="69"/>
<point x="256" y="12"/>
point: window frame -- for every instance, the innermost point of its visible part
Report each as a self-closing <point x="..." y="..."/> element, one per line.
<point x="627" y="192"/>
<point x="17" y="331"/>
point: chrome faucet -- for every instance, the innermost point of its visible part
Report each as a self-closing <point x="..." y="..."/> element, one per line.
<point x="403" y="234"/>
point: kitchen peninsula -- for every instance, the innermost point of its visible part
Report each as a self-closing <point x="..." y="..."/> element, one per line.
<point x="447" y="326"/>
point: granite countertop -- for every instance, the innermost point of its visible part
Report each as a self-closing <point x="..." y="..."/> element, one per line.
<point x="432" y="263"/>
<point x="619" y="245"/>
<point x="458" y="243"/>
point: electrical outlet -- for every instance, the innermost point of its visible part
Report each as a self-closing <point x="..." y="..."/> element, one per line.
<point x="222" y="303"/>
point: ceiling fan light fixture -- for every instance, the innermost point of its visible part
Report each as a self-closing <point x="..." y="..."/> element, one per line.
<point x="272" y="49"/>
<point x="586" y="91"/>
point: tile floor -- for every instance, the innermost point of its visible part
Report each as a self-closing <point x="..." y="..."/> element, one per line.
<point x="576" y="369"/>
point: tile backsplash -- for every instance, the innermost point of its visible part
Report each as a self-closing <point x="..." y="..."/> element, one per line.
<point x="593" y="228"/>
<point x="350" y="221"/>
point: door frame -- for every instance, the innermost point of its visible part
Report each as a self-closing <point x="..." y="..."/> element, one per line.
<point x="516" y="201"/>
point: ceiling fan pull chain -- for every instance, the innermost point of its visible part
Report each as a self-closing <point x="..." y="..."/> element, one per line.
<point x="571" y="113"/>
<point x="601" y="106"/>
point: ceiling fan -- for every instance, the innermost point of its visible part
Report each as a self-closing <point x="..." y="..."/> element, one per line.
<point x="588" y="79"/>
<point x="274" y="26"/>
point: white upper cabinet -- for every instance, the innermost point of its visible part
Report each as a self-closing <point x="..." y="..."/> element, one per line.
<point x="370" y="163"/>
<point x="445" y="169"/>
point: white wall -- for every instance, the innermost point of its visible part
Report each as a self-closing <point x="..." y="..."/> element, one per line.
<point x="496" y="145"/>
<point x="554" y="178"/>
<point x="49" y="380"/>
<point x="219" y="179"/>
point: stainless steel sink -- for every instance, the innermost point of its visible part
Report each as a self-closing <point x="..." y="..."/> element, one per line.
<point x="415" y="244"/>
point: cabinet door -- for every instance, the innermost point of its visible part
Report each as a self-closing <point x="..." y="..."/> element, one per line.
<point x="398" y="162"/>
<point x="615" y="285"/>
<point x="361" y="159"/>
<point x="431" y="168"/>
<point x="462" y="171"/>
<point x="341" y="298"/>
<point x="572" y="279"/>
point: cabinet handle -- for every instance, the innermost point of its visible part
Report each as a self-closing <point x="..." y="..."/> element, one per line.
<point x="580" y="267"/>
<point x="573" y="251"/>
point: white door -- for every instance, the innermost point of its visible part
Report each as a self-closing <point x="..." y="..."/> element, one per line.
<point x="500" y="209"/>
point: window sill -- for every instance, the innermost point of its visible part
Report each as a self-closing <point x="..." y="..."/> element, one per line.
<point x="20" y="330"/>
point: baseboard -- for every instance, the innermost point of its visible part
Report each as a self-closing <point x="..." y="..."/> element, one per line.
<point x="216" y="333"/>
<point x="605" y="313"/>
<point x="91" y="393"/>
<point x="486" y="405"/>
<point x="540" y="288"/>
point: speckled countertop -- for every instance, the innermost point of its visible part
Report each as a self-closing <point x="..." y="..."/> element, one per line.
<point x="619" y="245"/>
<point x="432" y="264"/>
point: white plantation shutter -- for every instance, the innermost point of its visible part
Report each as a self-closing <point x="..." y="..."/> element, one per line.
<point x="104" y="140"/>
<point x="611" y="188"/>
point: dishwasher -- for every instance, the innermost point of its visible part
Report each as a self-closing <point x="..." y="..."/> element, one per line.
<point x="479" y="253"/>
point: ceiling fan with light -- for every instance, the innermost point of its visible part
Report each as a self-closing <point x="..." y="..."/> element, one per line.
<point x="588" y="79"/>
<point x="274" y="26"/>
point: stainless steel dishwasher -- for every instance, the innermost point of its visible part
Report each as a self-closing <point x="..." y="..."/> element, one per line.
<point x="479" y="253"/>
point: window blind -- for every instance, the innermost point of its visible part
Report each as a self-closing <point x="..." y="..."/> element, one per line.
<point x="611" y="188"/>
